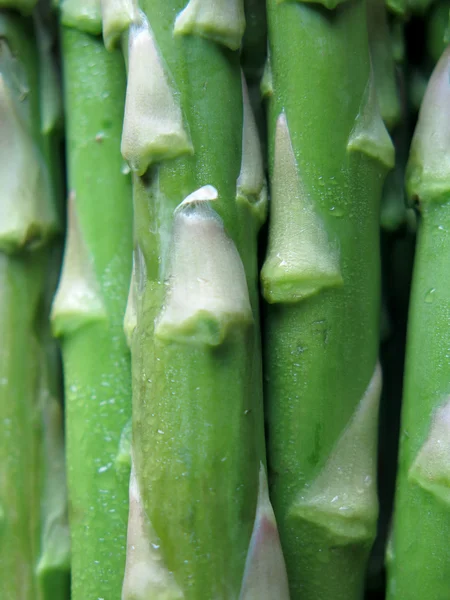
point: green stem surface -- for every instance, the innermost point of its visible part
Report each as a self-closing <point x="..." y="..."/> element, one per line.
<point x="200" y="521"/>
<point x="33" y="530"/>
<point x="419" y="555"/>
<point x="88" y="313"/>
<point x="329" y="152"/>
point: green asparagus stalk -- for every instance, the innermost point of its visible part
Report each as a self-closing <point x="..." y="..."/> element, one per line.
<point x="200" y="522"/>
<point x="418" y="558"/>
<point x="329" y="152"/>
<point x="28" y="220"/>
<point x="53" y="567"/>
<point x="89" y="307"/>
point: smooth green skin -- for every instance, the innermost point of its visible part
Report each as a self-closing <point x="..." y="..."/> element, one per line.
<point x="20" y="279"/>
<point x="179" y="389"/>
<point x="418" y="566"/>
<point x="96" y="358"/>
<point x="53" y="568"/>
<point x="196" y="455"/>
<point x="320" y="353"/>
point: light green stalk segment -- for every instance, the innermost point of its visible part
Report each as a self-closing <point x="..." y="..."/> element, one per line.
<point x="88" y="312"/>
<point x="329" y="152"/>
<point x="195" y="524"/>
<point x="28" y="221"/>
<point x="419" y="555"/>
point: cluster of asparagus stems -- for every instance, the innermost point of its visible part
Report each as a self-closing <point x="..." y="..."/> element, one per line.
<point x="218" y="447"/>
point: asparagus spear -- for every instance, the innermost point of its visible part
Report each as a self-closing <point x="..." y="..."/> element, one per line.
<point x="329" y="152"/>
<point x="418" y="559"/>
<point x="53" y="567"/>
<point x="88" y="312"/>
<point x="28" y="220"/>
<point x="200" y="522"/>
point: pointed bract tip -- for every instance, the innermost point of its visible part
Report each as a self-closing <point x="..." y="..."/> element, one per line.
<point x="207" y="294"/>
<point x="78" y="299"/>
<point x="117" y="16"/>
<point x="428" y="169"/>
<point x="251" y="183"/>
<point x="266" y="86"/>
<point x="369" y="135"/>
<point x="146" y="575"/>
<point x="130" y="318"/>
<point x="301" y="260"/>
<point x="342" y="500"/>
<point x="431" y="467"/>
<point x="265" y="576"/>
<point x="207" y="193"/>
<point x="28" y="216"/>
<point x="222" y="21"/>
<point x="153" y="127"/>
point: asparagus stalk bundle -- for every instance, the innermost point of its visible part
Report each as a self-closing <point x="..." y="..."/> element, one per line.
<point x="33" y="532"/>
<point x="89" y="306"/>
<point x="329" y="152"/>
<point x="200" y="522"/>
<point x="418" y="557"/>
